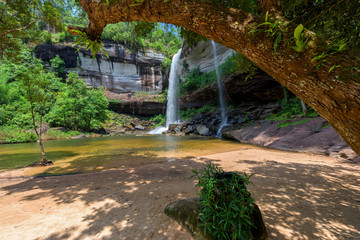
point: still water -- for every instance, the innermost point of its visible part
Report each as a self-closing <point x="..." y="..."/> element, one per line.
<point x="94" y="154"/>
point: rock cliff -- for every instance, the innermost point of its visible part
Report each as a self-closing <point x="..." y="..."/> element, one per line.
<point x="202" y="56"/>
<point x="124" y="71"/>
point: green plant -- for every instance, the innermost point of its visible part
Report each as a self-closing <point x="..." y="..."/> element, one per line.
<point x="78" y="107"/>
<point x="226" y="204"/>
<point x="285" y="124"/>
<point x="13" y="134"/>
<point x="87" y="43"/>
<point x="299" y="40"/>
<point x="235" y="64"/>
<point x="162" y="98"/>
<point x="321" y="58"/>
<point x="57" y="64"/>
<point x="290" y="108"/>
<point x="159" y="119"/>
<point x="192" y="112"/>
<point x="58" y="134"/>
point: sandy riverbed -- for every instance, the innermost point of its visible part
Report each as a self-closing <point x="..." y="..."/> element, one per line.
<point x="301" y="196"/>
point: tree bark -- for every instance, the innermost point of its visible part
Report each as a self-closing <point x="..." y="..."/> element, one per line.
<point x="303" y="108"/>
<point x="333" y="93"/>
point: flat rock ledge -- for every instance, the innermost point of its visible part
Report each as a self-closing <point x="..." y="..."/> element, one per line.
<point x="186" y="213"/>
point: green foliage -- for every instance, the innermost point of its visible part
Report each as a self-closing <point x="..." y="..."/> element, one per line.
<point x="299" y="40"/>
<point x="159" y="119"/>
<point x="290" y="108"/>
<point x="59" y="134"/>
<point x="57" y="64"/>
<point x="52" y="99"/>
<point x="285" y="124"/>
<point x="143" y="35"/>
<point x="226" y="204"/>
<point x="78" y="107"/>
<point x="190" y="113"/>
<point x="94" y="45"/>
<point x="23" y="19"/>
<point x="236" y="64"/>
<point x="14" y="134"/>
<point x="239" y="64"/>
<point x="195" y="80"/>
<point x="162" y="98"/>
<point x="330" y="19"/>
<point x="320" y="59"/>
<point x="166" y="62"/>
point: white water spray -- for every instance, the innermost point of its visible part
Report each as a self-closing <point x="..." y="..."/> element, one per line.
<point x="221" y="89"/>
<point x="172" y="107"/>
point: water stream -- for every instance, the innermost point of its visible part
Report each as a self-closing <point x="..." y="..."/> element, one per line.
<point x="172" y="107"/>
<point x="221" y="89"/>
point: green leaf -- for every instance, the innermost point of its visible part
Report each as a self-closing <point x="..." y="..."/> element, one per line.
<point x="266" y="16"/>
<point x="298" y="31"/>
<point x="277" y="41"/>
<point x="342" y="46"/>
<point x="104" y="51"/>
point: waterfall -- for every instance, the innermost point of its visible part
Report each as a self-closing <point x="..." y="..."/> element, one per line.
<point x="172" y="107"/>
<point x="153" y="78"/>
<point x="221" y="90"/>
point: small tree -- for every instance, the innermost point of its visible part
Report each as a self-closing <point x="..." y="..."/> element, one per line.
<point x="78" y="107"/>
<point x="37" y="88"/>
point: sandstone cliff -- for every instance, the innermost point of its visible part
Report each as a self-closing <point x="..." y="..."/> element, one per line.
<point x="124" y="71"/>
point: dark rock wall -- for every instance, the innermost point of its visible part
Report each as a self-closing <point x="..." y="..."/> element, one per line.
<point x="262" y="88"/>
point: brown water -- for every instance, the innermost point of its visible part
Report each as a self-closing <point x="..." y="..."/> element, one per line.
<point x="94" y="154"/>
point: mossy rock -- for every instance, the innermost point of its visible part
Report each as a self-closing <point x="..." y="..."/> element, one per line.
<point x="186" y="213"/>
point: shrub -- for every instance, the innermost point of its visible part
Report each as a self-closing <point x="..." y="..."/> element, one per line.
<point x="159" y="119"/>
<point x="57" y="64"/>
<point x="292" y="107"/>
<point x="226" y="205"/>
<point x="196" y="79"/>
<point x="58" y="134"/>
<point x="192" y="112"/>
<point x="12" y="134"/>
<point x="235" y="64"/>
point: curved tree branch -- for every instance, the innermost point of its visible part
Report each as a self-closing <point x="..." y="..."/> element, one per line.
<point x="18" y="29"/>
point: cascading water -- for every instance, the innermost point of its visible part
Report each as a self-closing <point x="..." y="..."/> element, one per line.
<point x="221" y="89"/>
<point x="153" y="78"/>
<point x="172" y="107"/>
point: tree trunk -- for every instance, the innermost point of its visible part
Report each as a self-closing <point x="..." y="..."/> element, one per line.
<point x="303" y="107"/>
<point x="43" y="161"/>
<point x="333" y="92"/>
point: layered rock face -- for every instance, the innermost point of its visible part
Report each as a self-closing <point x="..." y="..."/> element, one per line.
<point x="124" y="71"/>
<point x="202" y="56"/>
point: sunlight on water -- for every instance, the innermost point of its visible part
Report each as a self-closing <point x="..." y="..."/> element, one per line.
<point x="94" y="154"/>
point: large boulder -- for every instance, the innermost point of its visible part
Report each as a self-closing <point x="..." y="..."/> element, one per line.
<point x="186" y="213"/>
<point x="202" y="130"/>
